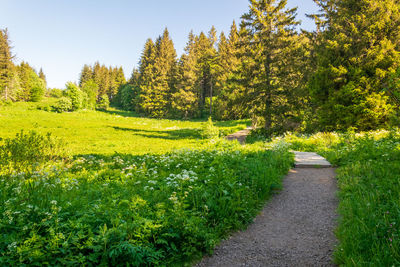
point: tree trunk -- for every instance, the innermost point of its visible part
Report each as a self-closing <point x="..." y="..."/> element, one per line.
<point x="211" y="97"/>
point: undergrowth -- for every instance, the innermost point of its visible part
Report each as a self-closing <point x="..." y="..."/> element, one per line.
<point x="135" y="210"/>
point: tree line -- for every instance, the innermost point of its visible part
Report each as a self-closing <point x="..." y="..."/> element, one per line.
<point x="344" y="74"/>
<point x="18" y="82"/>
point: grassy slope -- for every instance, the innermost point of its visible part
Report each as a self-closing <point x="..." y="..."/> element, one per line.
<point x="95" y="132"/>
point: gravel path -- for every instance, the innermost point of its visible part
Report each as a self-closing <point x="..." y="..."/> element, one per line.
<point x="294" y="229"/>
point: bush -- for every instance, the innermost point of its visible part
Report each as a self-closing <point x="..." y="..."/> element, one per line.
<point x="104" y="103"/>
<point x="28" y="152"/>
<point x="76" y="96"/>
<point x="90" y="89"/>
<point x="57" y="93"/>
<point x="64" y="104"/>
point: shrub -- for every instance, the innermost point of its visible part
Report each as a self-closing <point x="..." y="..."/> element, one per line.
<point x="57" y="93"/>
<point x="76" y="96"/>
<point x="90" y="88"/>
<point x="64" y="104"/>
<point x="28" y="152"/>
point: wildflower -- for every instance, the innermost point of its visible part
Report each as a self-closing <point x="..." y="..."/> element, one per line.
<point x="53" y="202"/>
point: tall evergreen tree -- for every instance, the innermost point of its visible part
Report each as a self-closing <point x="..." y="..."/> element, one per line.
<point x="270" y="46"/>
<point x="147" y="77"/>
<point x="43" y="77"/>
<point x="228" y="62"/>
<point x="206" y="62"/>
<point x="357" y="54"/>
<point x="184" y="100"/>
<point x="86" y="75"/>
<point x="6" y="66"/>
<point x="156" y="95"/>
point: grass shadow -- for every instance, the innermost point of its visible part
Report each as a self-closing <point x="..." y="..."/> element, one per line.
<point x="122" y="113"/>
<point x="168" y="135"/>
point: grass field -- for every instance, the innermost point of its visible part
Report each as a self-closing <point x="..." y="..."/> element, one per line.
<point x="97" y="132"/>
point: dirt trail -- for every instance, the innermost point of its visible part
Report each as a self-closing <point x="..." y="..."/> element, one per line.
<point x="294" y="229"/>
<point x="240" y="136"/>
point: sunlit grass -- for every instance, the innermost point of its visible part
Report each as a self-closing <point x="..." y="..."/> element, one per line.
<point x="97" y="132"/>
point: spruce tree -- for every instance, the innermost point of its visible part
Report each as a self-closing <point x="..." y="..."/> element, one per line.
<point x="156" y="93"/>
<point x="86" y="75"/>
<point x="358" y="53"/>
<point x="228" y="62"/>
<point x="6" y="67"/>
<point x="206" y="63"/>
<point x="43" y="77"/>
<point x="270" y="39"/>
<point x="184" y="100"/>
<point x="147" y="77"/>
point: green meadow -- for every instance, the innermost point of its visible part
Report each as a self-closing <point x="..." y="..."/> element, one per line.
<point x="107" y="132"/>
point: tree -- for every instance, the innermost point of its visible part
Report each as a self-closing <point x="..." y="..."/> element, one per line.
<point x="86" y="75"/>
<point x="206" y="54"/>
<point x="357" y="54"/>
<point x="90" y="88"/>
<point x="147" y="76"/>
<point x="32" y="87"/>
<point x="184" y="100"/>
<point x="43" y="77"/>
<point x="6" y="67"/>
<point x="270" y="39"/>
<point x="158" y="76"/>
<point x="228" y="62"/>
<point x="74" y="93"/>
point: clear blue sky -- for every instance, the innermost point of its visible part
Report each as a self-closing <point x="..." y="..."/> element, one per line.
<point x="62" y="35"/>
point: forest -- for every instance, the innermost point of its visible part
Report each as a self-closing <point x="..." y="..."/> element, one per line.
<point x="134" y="170"/>
<point x="343" y="75"/>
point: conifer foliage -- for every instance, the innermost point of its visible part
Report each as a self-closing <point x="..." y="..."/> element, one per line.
<point x="18" y="83"/>
<point x="358" y="53"/>
<point x="107" y="79"/>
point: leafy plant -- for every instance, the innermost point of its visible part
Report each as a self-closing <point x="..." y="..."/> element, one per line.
<point x="28" y="152"/>
<point x="64" y="104"/>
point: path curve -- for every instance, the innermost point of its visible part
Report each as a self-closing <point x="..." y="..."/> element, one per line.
<point x="294" y="229"/>
<point x="240" y="136"/>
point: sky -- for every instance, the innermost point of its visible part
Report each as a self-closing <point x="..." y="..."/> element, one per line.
<point x="61" y="36"/>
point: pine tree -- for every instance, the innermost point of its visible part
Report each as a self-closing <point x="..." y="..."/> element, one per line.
<point x="6" y="67"/>
<point x="184" y="100"/>
<point x="43" y="77"/>
<point x="86" y="75"/>
<point x="228" y="62"/>
<point x="147" y="77"/>
<point x="357" y="54"/>
<point x="156" y="94"/>
<point x="206" y="53"/>
<point x="270" y="48"/>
